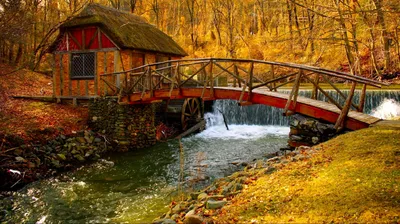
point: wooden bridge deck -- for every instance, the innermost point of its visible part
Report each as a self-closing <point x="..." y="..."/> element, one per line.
<point x="313" y="108"/>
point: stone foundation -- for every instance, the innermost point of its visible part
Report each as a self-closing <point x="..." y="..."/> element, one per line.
<point x="130" y="126"/>
<point x="309" y="131"/>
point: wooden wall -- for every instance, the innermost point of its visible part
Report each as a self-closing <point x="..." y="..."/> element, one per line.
<point x="106" y="62"/>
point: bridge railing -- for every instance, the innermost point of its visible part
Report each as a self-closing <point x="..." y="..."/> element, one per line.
<point x="209" y="73"/>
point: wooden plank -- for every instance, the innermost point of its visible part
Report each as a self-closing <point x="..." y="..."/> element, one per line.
<point x="193" y="129"/>
<point x="75" y="89"/>
<point x="91" y="88"/>
<point x="82" y="88"/>
<point x="66" y="76"/>
<point x="110" y="67"/>
<point x="61" y="75"/>
<point x="105" y="71"/>
<point x="78" y="87"/>
<point x="86" y="88"/>
<point x="117" y="68"/>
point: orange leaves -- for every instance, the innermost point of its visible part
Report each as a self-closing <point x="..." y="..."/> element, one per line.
<point x="33" y="120"/>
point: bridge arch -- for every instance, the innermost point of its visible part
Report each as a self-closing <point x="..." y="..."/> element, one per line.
<point x="248" y="82"/>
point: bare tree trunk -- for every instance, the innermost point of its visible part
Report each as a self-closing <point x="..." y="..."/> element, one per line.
<point x="296" y="19"/>
<point x="132" y="5"/>
<point x="19" y="54"/>
<point x="346" y="40"/>
<point x="310" y="18"/>
<point x="385" y="34"/>
<point x="11" y="53"/>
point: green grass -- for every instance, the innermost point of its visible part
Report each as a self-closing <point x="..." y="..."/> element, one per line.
<point x="355" y="178"/>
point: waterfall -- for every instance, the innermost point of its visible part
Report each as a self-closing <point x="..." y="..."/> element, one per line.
<point x="266" y="115"/>
<point x="388" y="109"/>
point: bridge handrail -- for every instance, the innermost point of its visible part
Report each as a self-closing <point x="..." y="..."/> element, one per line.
<point x="337" y="74"/>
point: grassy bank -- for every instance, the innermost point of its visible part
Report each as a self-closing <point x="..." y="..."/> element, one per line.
<point x="355" y="178"/>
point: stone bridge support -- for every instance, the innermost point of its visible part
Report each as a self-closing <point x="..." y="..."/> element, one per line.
<point x="129" y="126"/>
<point x="309" y="131"/>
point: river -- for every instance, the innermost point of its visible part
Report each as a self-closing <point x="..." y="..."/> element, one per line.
<point x="141" y="184"/>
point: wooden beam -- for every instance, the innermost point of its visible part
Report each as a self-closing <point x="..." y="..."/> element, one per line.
<point x="83" y="40"/>
<point x="191" y="130"/>
<point x="92" y="39"/>
<point x="197" y="72"/>
<point x="75" y="40"/>
<point x="221" y="67"/>
<point x="274" y="80"/>
<point x="99" y="38"/>
<point x="211" y="79"/>
<point x="343" y="115"/>
<point x="236" y="71"/>
<point x="362" y="98"/>
<point x="330" y="99"/>
<point x="242" y="93"/>
<point x="273" y="77"/>
<point x="61" y="76"/>
<point x="250" y="85"/>
<point x="293" y="94"/>
<point x="314" y="94"/>
<point x="338" y="90"/>
<point x="86" y="87"/>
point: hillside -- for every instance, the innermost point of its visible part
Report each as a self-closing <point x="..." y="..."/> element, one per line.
<point x="32" y="121"/>
<point x="353" y="178"/>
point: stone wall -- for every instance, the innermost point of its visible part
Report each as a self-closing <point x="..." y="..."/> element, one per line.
<point x="309" y="131"/>
<point x="130" y="126"/>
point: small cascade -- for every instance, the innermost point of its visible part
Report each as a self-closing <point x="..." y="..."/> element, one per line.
<point x="266" y="115"/>
<point x="388" y="109"/>
<point x="245" y="115"/>
<point x="373" y="98"/>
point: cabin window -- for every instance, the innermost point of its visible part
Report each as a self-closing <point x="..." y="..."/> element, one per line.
<point x="82" y="65"/>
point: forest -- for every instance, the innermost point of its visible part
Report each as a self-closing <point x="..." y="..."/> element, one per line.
<point x="357" y="36"/>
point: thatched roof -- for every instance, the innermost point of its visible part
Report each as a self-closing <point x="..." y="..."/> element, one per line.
<point x="126" y="30"/>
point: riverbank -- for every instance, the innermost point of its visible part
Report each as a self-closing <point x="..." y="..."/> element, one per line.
<point x="352" y="178"/>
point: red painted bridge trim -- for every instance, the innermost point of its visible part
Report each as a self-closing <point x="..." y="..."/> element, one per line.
<point x="257" y="97"/>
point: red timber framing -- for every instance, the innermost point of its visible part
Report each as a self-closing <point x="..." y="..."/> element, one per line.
<point x="108" y="58"/>
<point x="87" y="38"/>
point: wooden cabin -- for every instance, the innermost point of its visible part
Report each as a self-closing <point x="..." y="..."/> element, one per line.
<point x="103" y="40"/>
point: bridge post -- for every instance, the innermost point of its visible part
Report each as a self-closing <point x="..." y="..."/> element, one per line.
<point x="361" y="102"/>
<point x="314" y="95"/>
<point x="150" y="78"/>
<point x="293" y="94"/>
<point x="343" y="115"/>
<point x="236" y="71"/>
<point x="273" y="77"/>
<point x="250" y="83"/>
<point x="211" y="79"/>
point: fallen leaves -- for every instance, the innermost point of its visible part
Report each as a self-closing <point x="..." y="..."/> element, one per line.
<point x="31" y="120"/>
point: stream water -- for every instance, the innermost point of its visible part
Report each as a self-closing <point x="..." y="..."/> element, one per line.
<point x="140" y="184"/>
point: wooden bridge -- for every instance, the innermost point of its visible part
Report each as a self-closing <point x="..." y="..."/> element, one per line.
<point x="248" y="82"/>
